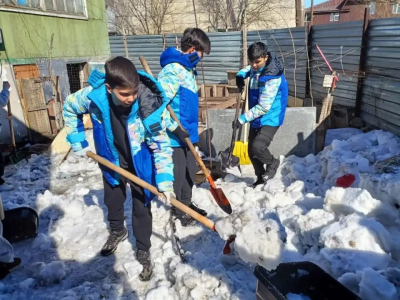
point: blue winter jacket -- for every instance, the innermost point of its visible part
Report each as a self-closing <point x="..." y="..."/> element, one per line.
<point x="268" y="94"/>
<point x="178" y="80"/>
<point x="146" y="128"/>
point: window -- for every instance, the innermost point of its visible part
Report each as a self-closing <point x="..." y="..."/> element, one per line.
<point x="334" y="17"/>
<point x="63" y="8"/>
<point x="396" y="8"/>
<point x="372" y="7"/>
<point x="308" y="17"/>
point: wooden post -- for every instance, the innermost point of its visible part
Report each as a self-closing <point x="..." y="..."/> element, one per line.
<point x="299" y="13"/>
<point x="312" y="13"/>
<point x="362" y="63"/>
<point x="244" y="51"/>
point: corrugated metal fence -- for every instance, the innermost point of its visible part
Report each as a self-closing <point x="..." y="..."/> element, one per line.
<point x="341" y="45"/>
<point x="226" y="52"/>
<point x="381" y="91"/>
<point x="293" y="53"/>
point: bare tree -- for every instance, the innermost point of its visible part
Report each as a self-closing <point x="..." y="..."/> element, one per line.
<point x="229" y="14"/>
<point x="140" y="16"/>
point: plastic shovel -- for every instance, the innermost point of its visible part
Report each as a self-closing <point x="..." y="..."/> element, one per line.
<point x="217" y="193"/>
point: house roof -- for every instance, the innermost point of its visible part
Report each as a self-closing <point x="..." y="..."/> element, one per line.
<point x="328" y="6"/>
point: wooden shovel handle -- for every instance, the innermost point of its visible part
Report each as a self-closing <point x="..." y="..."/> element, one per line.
<point x="1" y="209"/>
<point x="207" y="222"/>
<point x="145" y="65"/>
<point x="191" y="147"/>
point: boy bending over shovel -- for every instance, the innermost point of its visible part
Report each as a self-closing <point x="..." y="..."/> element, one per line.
<point x="129" y="120"/>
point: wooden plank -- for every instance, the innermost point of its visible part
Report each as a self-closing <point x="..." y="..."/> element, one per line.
<point x="24" y="109"/>
<point x="26" y="71"/>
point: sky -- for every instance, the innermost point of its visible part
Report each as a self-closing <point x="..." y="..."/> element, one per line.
<point x="307" y="3"/>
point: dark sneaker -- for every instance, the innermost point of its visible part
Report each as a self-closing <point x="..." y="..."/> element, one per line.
<point x="198" y="210"/>
<point x="260" y="180"/>
<point x="271" y="170"/>
<point x="186" y="220"/>
<point x="6" y="268"/>
<point x="143" y="258"/>
<point x="113" y="240"/>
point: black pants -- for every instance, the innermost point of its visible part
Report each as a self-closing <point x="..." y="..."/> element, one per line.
<point x="185" y="173"/>
<point x="259" y="141"/>
<point x="114" y="198"/>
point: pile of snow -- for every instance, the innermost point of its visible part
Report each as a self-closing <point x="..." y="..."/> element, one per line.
<point x="353" y="234"/>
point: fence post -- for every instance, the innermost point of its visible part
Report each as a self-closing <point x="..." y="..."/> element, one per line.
<point x="362" y="63"/>
<point x="309" y="56"/>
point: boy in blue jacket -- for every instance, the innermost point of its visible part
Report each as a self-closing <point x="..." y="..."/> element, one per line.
<point x="127" y="108"/>
<point x="179" y="83"/>
<point x="268" y="93"/>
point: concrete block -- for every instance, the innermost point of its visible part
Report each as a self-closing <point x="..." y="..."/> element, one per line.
<point x="296" y="136"/>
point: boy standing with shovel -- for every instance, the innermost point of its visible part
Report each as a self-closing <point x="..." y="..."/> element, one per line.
<point x="267" y="97"/>
<point x="127" y="108"/>
<point x="179" y="83"/>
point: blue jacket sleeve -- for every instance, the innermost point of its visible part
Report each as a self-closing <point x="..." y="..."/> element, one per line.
<point x="170" y="80"/>
<point x="4" y="96"/>
<point x="160" y="145"/>
<point x="265" y="101"/>
<point x="75" y="106"/>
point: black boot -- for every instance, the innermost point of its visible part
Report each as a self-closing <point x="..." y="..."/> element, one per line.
<point x="113" y="240"/>
<point x="260" y="180"/>
<point x="271" y="170"/>
<point x="143" y="258"/>
<point x="185" y="219"/>
<point x="6" y="268"/>
<point x="198" y="210"/>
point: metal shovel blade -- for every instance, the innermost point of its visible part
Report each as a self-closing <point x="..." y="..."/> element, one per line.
<point x="221" y="199"/>
<point x="228" y="161"/>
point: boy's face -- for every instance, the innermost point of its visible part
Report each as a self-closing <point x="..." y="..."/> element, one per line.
<point x="122" y="96"/>
<point x="258" y="63"/>
<point x="192" y="49"/>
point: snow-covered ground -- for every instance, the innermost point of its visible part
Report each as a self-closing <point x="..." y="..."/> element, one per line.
<point x="299" y="215"/>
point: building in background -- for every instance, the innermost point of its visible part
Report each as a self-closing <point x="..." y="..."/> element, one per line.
<point x="351" y="10"/>
<point x="49" y="45"/>
<point x="142" y="17"/>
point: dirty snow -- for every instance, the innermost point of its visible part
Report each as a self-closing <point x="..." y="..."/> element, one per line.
<point x="298" y="216"/>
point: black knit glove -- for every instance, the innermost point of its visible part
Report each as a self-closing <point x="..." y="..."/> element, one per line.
<point x="240" y="83"/>
<point x="236" y="124"/>
<point x="181" y="134"/>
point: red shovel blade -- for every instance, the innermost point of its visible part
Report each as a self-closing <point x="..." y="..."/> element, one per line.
<point x="227" y="247"/>
<point x="345" y="181"/>
<point x="221" y="200"/>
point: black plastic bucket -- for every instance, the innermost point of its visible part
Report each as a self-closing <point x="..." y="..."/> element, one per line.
<point x="299" y="278"/>
<point x="20" y="224"/>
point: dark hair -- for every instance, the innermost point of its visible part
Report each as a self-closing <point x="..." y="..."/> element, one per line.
<point x="121" y="72"/>
<point x="197" y="38"/>
<point x="257" y="50"/>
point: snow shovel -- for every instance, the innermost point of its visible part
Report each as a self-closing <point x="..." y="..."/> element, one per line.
<point x="19" y="224"/>
<point x="227" y="159"/>
<point x="217" y="193"/>
<point x="205" y="221"/>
